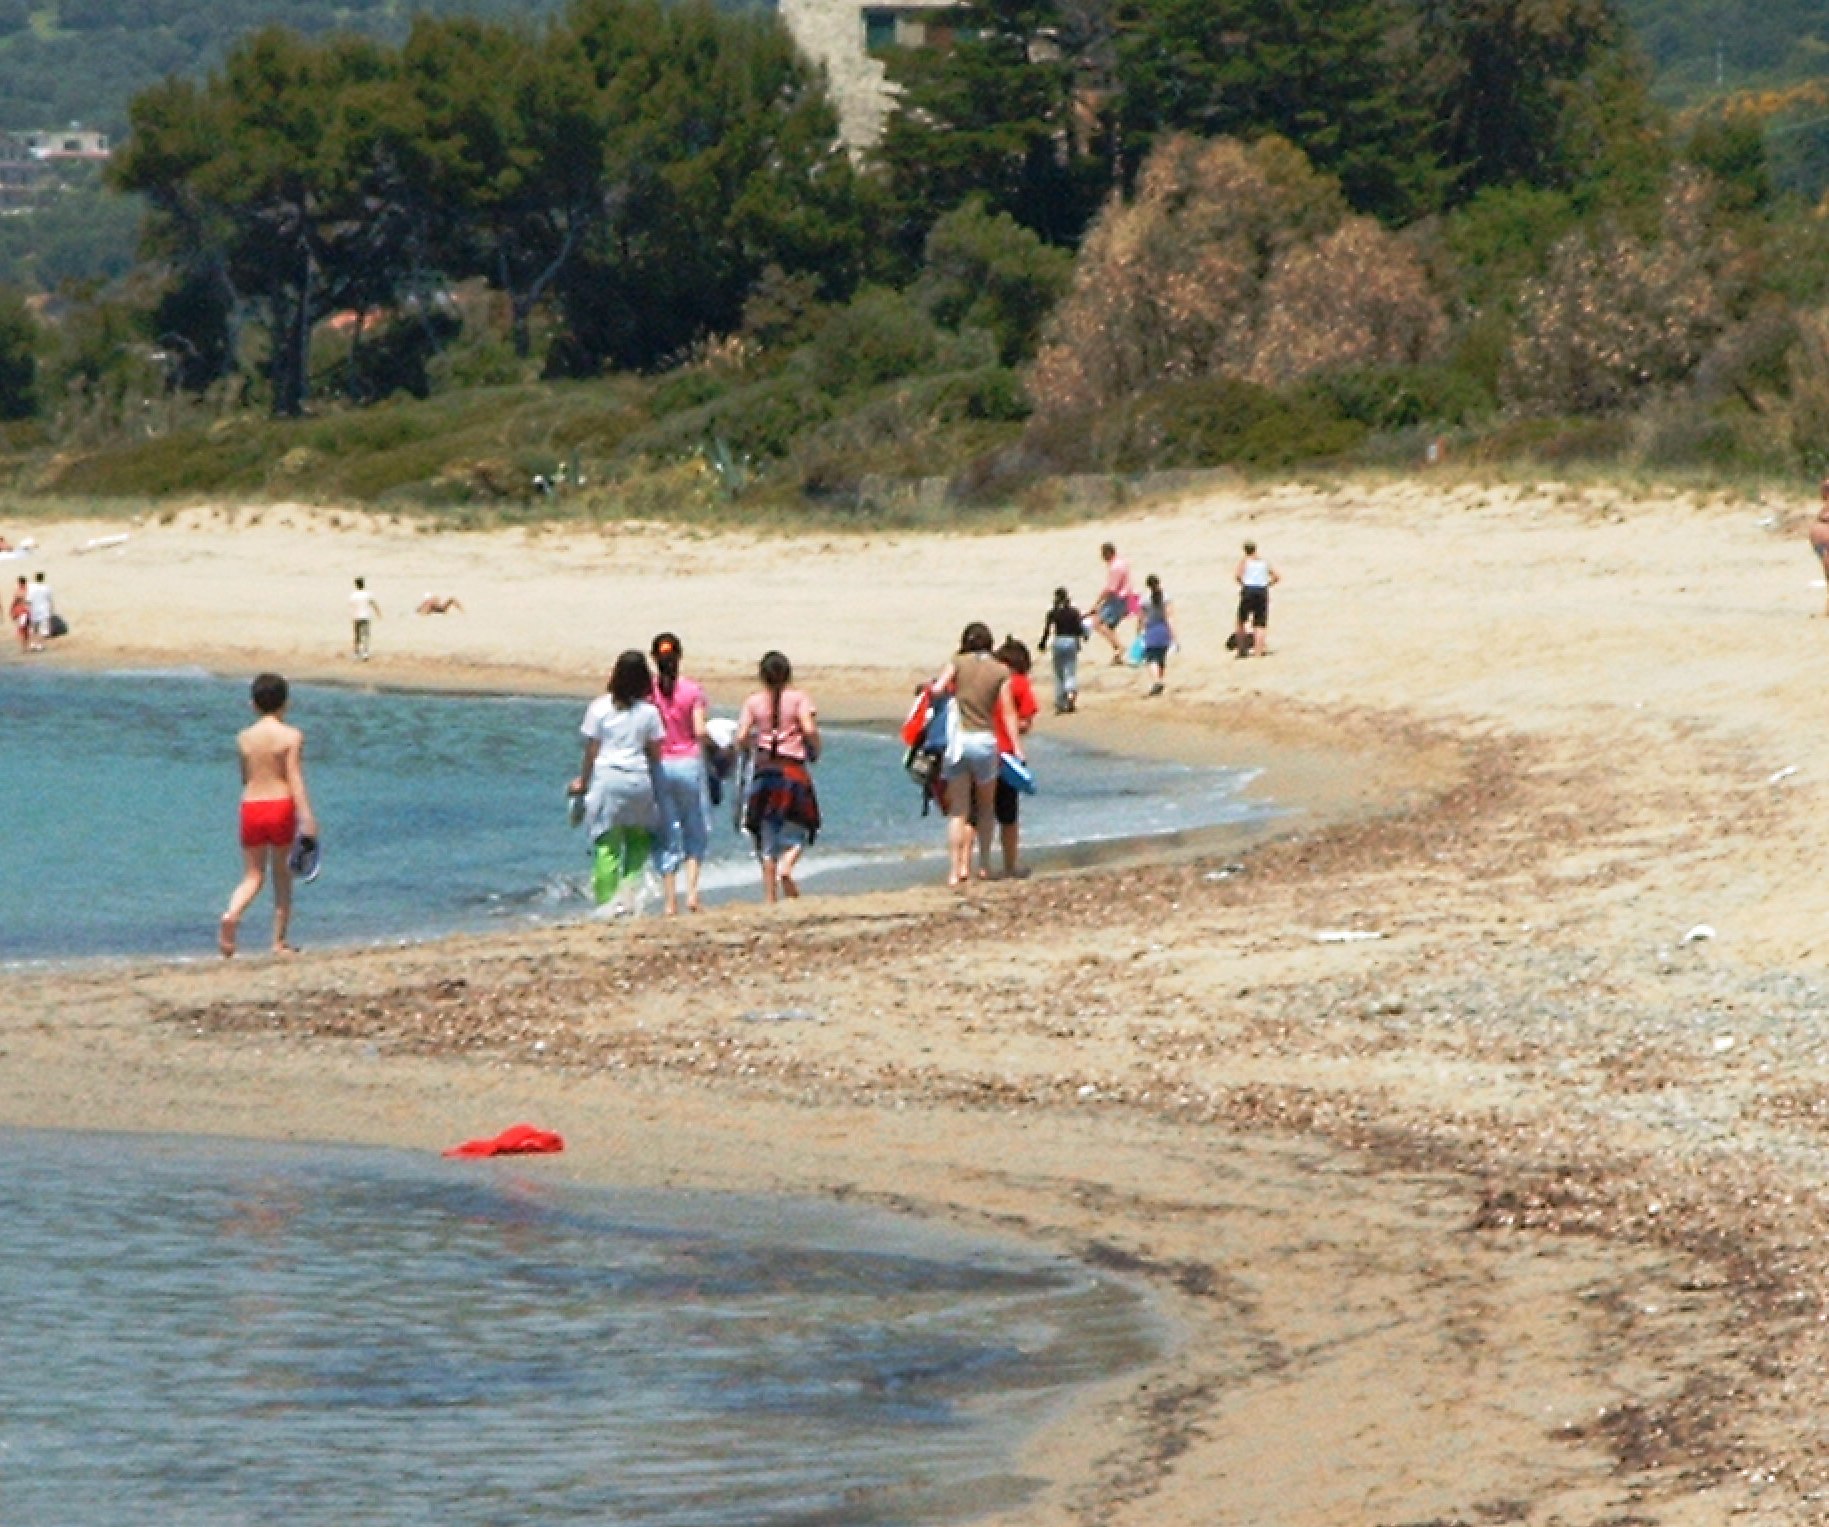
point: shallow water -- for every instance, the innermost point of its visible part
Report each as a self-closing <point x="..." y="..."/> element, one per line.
<point x="218" y="1332"/>
<point x="439" y="813"/>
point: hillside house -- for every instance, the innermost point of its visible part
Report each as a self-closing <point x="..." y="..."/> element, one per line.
<point x="34" y="165"/>
<point x="851" y="37"/>
<point x="72" y="144"/>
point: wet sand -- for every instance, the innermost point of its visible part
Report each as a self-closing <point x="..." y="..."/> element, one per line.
<point x="1479" y="1184"/>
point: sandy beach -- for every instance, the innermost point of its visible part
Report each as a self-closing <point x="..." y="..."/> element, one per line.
<point x="1470" y="1126"/>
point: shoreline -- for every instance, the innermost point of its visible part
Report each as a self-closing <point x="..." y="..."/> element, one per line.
<point x="1506" y="1210"/>
<point x="837" y="870"/>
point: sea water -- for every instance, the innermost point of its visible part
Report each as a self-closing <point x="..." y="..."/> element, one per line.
<point x="439" y="813"/>
<point x="215" y="1332"/>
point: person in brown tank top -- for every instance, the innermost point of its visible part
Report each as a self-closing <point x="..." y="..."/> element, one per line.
<point x="980" y="688"/>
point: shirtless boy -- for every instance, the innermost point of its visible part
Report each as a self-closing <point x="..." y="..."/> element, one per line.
<point x="274" y="810"/>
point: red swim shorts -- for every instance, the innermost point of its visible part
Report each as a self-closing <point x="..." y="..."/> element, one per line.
<point x="273" y="823"/>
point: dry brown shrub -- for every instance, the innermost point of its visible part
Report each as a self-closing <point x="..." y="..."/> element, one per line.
<point x="1354" y="300"/>
<point x="1617" y="318"/>
<point x="1230" y="259"/>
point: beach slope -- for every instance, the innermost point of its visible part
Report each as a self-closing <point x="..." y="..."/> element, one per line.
<point x="1469" y="1126"/>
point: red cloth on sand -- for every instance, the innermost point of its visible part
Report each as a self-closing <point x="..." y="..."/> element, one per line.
<point x="516" y="1140"/>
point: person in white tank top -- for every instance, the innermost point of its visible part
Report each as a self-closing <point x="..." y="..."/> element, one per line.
<point x="1255" y="576"/>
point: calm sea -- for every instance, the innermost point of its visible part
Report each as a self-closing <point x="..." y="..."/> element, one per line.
<point x="219" y="1333"/>
<point x="439" y="813"/>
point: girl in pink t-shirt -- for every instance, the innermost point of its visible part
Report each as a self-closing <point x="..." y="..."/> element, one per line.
<point x="680" y="793"/>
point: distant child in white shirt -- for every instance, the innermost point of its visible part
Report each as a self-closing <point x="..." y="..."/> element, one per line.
<point x="363" y="609"/>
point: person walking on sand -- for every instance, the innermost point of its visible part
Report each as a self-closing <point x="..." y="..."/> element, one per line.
<point x="681" y="790"/>
<point x="778" y="728"/>
<point x="1063" y="634"/>
<point x="363" y="609"/>
<point x="1255" y="577"/>
<point x="1114" y="600"/>
<point x="1007" y="806"/>
<point x="616" y="778"/>
<point x="980" y="687"/>
<point x="275" y="810"/>
<point x="1158" y="632"/>
<point x="1819" y="537"/>
<point x="20" y="613"/>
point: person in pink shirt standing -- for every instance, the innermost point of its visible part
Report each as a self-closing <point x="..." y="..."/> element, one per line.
<point x="779" y="729"/>
<point x="683" y="805"/>
<point x="1115" y="600"/>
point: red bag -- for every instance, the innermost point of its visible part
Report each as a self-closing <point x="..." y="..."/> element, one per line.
<point x="915" y="727"/>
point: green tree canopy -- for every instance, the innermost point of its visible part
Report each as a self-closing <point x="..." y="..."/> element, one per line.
<point x="1001" y="116"/>
<point x="263" y="177"/>
<point x="1545" y="93"/>
<point x="1335" y="77"/>
<point x="641" y="162"/>
<point x="985" y="270"/>
<point x="721" y="157"/>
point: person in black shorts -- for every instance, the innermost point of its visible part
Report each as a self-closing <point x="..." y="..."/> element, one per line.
<point x="1255" y="576"/>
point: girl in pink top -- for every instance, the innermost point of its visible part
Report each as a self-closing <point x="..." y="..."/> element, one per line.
<point x="779" y="729"/>
<point x="680" y="792"/>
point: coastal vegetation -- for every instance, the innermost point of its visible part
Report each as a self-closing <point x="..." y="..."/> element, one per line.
<point x="618" y="256"/>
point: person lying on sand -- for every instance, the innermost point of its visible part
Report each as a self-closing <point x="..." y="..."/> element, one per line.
<point x="439" y="604"/>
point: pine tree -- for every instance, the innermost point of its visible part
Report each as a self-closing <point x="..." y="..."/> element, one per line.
<point x="1334" y="77"/>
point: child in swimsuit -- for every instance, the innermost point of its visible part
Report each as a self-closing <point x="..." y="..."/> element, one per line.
<point x="275" y="810"/>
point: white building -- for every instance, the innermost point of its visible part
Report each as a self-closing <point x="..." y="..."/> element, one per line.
<point x="850" y="38"/>
<point x="70" y="143"/>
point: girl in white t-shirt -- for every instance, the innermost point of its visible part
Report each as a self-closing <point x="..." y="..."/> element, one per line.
<point x="622" y="737"/>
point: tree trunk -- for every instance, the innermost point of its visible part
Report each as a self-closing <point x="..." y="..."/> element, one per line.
<point x="292" y="353"/>
<point x="522" y="303"/>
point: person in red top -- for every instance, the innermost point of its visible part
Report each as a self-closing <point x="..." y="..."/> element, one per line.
<point x="21" y="615"/>
<point x="1014" y="656"/>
